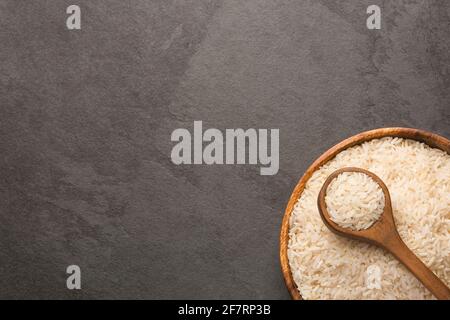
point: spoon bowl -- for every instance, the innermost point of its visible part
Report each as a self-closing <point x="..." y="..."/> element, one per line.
<point x="383" y="233"/>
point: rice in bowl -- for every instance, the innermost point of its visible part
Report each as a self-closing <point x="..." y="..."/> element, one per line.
<point x="326" y="266"/>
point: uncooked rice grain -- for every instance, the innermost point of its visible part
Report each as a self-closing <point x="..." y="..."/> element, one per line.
<point x="354" y="200"/>
<point x="327" y="266"/>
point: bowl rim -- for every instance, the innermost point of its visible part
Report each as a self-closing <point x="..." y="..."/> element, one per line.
<point x="429" y="138"/>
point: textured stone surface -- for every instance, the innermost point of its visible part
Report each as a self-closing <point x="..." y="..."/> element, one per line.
<point x="86" y="118"/>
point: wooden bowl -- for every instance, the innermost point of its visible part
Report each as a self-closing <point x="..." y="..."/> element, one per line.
<point x="431" y="139"/>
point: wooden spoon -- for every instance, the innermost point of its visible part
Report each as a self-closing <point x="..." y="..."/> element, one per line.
<point x="383" y="233"/>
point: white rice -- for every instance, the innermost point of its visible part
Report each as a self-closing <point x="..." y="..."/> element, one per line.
<point x="354" y="200"/>
<point x="327" y="266"/>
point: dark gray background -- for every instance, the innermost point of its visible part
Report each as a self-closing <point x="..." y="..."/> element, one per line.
<point x="86" y="118"/>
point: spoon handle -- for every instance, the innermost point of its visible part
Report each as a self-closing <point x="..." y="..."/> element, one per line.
<point x="401" y="251"/>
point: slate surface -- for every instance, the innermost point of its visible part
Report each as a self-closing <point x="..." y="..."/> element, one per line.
<point x="86" y="118"/>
